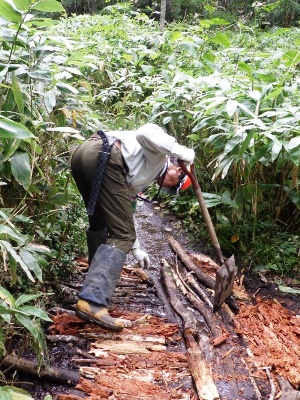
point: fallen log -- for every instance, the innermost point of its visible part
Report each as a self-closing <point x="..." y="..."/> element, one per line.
<point x="198" y="289"/>
<point x="191" y="266"/>
<point x="200" y="370"/>
<point x="198" y="305"/>
<point x="189" y="320"/>
<point x="44" y="372"/>
<point x="62" y="338"/>
<point x="202" y="276"/>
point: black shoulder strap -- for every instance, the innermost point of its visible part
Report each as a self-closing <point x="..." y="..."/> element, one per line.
<point x="101" y="164"/>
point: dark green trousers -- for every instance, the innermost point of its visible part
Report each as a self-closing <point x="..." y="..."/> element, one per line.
<point x="113" y="209"/>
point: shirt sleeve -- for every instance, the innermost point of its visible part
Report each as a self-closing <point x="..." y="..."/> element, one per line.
<point x="153" y="139"/>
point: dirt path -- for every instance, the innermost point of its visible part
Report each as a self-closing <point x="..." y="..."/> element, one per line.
<point x="151" y="359"/>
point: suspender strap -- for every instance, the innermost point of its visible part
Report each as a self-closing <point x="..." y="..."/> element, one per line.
<point x="97" y="180"/>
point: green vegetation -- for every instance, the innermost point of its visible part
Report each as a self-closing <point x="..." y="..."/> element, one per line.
<point x="230" y="89"/>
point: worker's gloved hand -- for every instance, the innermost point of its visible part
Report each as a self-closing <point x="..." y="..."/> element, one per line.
<point x="140" y="255"/>
<point x="183" y="153"/>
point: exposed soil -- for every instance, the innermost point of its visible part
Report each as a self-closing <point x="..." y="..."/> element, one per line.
<point x="149" y="359"/>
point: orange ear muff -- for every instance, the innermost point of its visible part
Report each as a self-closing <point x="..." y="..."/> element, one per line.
<point x="187" y="182"/>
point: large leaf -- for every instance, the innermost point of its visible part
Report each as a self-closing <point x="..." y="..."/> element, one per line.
<point x="12" y="234"/>
<point x="35" y="312"/>
<point x="32" y="263"/>
<point x="8" y="12"/>
<point x="49" y="6"/>
<point x="13" y="130"/>
<point x="18" y="94"/>
<point x="25" y="298"/>
<point x="17" y="258"/>
<point x="6" y="297"/>
<point x="22" y="5"/>
<point x="13" y="393"/>
<point x="20" y="168"/>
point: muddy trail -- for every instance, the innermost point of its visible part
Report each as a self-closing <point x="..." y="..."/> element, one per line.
<point x="173" y="346"/>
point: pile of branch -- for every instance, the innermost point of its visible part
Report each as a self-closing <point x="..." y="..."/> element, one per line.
<point x="210" y="346"/>
<point x="269" y="351"/>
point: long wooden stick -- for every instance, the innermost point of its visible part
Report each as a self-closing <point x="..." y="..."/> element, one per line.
<point x="200" y="370"/>
<point x="189" y="320"/>
<point x="30" y="367"/>
<point x="191" y="266"/>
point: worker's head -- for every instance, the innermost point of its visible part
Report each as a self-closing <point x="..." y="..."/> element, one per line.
<point x="173" y="178"/>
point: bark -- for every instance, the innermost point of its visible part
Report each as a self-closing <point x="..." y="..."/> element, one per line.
<point x="45" y="372"/>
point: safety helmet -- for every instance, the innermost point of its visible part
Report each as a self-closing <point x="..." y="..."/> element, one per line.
<point x="183" y="184"/>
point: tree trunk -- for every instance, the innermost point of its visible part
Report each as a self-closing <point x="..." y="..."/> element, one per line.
<point x="162" y="20"/>
<point x="91" y="6"/>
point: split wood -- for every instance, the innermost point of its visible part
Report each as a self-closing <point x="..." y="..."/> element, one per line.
<point x="191" y="266"/>
<point x="195" y="301"/>
<point x="199" y="368"/>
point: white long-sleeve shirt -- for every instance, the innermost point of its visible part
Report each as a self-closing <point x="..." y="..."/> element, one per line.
<point x="145" y="152"/>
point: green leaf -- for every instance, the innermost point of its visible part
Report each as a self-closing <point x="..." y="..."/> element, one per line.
<point x="194" y="137"/>
<point x="12" y="234"/>
<point x="50" y="100"/>
<point x="246" y="143"/>
<point x="175" y="36"/>
<point x="245" y="67"/>
<point x="59" y="199"/>
<point x="17" y="258"/>
<point x="32" y="263"/>
<point x="5" y="314"/>
<point x="49" y="6"/>
<point x="231" y="107"/>
<point x="221" y="38"/>
<point x="38" y="248"/>
<point x="6" y="297"/>
<point x="66" y="88"/>
<point x="21" y="169"/>
<point x="13" y="130"/>
<point x="287" y="289"/>
<point x="29" y="324"/>
<point x="190" y="48"/>
<point x="18" y="94"/>
<point x="36" y="312"/>
<point x="13" y="393"/>
<point x="275" y="93"/>
<point x="22" y="5"/>
<point x="25" y="298"/>
<point x="8" y="12"/>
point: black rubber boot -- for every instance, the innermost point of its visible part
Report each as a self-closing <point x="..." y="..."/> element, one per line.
<point x="94" y="240"/>
<point x="99" y="286"/>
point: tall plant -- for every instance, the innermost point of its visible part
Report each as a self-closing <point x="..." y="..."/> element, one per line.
<point x="34" y="132"/>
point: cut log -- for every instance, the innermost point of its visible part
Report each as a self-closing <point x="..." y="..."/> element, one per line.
<point x="45" y="372"/>
<point x="197" y="303"/>
<point x="200" y="370"/>
<point x="189" y="320"/>
<point x="202" y="276"/>
<point x="190" y="265"/>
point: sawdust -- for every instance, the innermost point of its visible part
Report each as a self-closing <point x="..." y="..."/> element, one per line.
<point x="273" y="336"/>
<point x="122" y="370"/>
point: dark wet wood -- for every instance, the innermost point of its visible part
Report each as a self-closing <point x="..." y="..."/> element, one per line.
<point x="45" y="372"/>
<point x="190" y="265"/>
